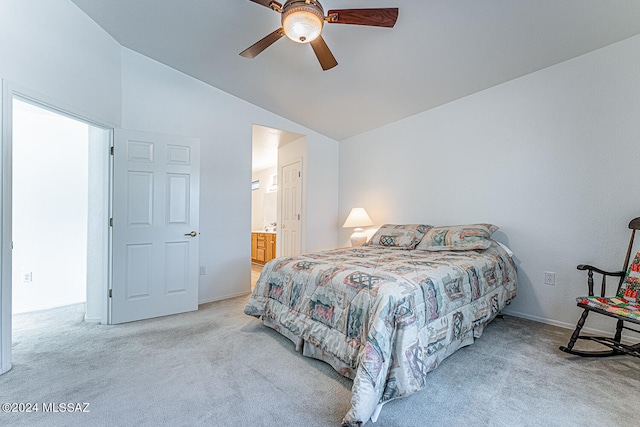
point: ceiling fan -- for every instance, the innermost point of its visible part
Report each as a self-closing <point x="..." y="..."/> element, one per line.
<point x="302" y="22"/>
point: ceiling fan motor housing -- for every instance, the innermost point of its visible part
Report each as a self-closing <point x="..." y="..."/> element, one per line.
<point x="302" y="20"/>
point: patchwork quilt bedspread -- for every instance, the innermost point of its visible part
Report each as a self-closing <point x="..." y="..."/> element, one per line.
<point x="388" y="316"/>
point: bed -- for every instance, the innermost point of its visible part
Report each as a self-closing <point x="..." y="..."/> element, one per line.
<point x="387" y="313"/>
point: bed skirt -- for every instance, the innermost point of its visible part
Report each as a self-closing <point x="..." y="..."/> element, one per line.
<point x="310" y="350"/>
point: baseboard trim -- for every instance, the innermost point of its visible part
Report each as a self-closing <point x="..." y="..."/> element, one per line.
<point x="223" y="297"/>
<point x="564" y="325"/>
<point x="541" y="319"/>
<point x="8" y="368"/>
<point x="92" y="319"/>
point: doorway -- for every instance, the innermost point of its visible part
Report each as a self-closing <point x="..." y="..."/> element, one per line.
<point x="49" y="209"/>
<point x="271" y="148"/>
<point x="97" y="234"/>
<point x="60" y="207"/>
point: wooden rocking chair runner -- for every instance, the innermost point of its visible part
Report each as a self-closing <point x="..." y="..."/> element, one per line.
<point x="624" y="306"/>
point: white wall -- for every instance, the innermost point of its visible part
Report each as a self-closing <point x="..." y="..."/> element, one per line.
<point x="159" y="99"/>
<point x="549" y="157"/>
<point x="52" y="47"/>
<point x="50" y="193"/>
<point x="321" y="190"/>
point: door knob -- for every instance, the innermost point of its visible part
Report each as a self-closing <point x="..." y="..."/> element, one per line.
<point x="192" y="234"/>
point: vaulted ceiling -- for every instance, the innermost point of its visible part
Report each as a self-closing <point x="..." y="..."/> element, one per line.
<point x="439" y="51"/>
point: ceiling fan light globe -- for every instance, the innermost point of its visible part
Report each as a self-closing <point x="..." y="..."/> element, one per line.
<point x="302" y="24"/>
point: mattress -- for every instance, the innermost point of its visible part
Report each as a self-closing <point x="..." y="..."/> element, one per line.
<point x="383" y="317"/>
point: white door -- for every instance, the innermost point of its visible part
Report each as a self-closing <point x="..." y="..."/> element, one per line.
<point x="291" y="184"/>
<point x="155" y="225"/>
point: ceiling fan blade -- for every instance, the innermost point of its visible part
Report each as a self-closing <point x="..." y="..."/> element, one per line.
<point x="267" y="3"/>
<point x="262" y="2"/>
<point x="324" y="55"/>
<point x="255" y="49"/>
<point x="381" y="17"/>
<point x="271" y="4"/>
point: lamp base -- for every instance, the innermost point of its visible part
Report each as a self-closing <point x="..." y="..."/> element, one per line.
<point x="358" y="237"/>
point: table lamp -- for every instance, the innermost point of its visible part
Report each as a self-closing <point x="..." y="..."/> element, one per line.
<point x="358" y="218"/>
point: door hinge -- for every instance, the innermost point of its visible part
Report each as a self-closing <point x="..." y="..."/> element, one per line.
<point x="299" y="176"/>
<point x="110" y="293"/>
<point x="298" y="217"/>
<point x="110" y="222"/>
<point x="111" y="150"/>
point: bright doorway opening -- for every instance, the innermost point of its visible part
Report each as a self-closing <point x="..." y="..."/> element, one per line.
<point x="272" y="149"/>
<point x="60" y="204"/>
<point x="272" y="154"/>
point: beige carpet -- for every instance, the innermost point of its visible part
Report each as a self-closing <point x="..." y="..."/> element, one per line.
<point x="219" y="367"/>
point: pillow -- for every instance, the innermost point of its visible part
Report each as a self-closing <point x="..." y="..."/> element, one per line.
<point x="405" y="236"/>
<point x="631" y="285"/>
<point x="457" y="237"/>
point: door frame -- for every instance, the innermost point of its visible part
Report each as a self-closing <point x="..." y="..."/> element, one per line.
<point x="8" y="92"/>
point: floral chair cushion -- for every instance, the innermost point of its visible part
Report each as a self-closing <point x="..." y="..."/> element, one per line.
<point x="631" y="285"/>
<point x="626" y="302"/>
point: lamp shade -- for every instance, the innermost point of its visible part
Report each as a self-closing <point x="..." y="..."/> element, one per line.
<point x="358" y="217"/>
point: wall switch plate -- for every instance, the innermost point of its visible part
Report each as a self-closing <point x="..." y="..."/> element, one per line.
<point x="27" y="277"/>
<point x="549" y="278"/>
<point x="203" y="270"/>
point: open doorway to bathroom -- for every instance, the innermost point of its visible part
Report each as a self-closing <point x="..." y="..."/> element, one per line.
<point x="265" y="216"/>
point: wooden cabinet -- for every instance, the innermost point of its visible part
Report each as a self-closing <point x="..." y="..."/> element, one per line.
<point x="270" y="247"/>
<point x="263" y="247"/>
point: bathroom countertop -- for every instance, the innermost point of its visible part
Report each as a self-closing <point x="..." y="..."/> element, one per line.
<point x="263" y="232"/>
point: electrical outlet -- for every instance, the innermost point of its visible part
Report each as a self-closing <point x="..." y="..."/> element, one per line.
<point x="203" y="270"/>
<point x="549" y="278"/>
<point x="27" y="277"/>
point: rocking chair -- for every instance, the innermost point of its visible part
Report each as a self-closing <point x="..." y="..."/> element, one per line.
<point x="624" y="306"/>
